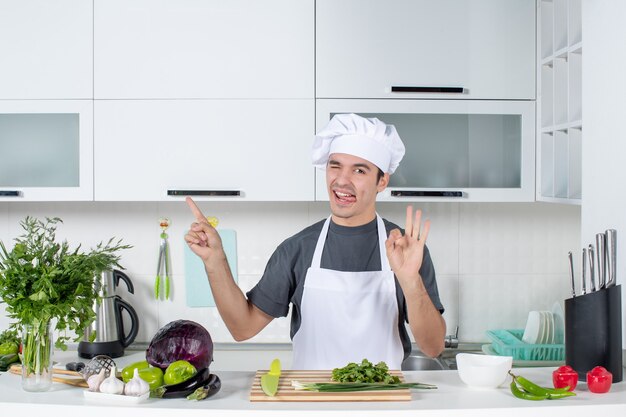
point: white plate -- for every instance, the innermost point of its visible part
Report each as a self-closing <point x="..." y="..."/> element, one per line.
<point x="551" y="327"/>
<point x="114" y="398"/>
<point x="559" y="323"/>
<point x="532" y="332"/>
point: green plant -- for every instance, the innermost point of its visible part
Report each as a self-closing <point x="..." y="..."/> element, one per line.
<point x="42" y="280"/>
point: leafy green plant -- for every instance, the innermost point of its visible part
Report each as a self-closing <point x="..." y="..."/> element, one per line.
<point x="42" y="280"/>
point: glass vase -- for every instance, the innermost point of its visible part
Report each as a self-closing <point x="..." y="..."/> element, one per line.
<point x="37" y="356"/>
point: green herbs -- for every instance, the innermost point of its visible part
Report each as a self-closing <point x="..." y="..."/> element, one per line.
<point x="365" y="372"/>
<point x="41" y="279"/>
<point x="358" y="386"/>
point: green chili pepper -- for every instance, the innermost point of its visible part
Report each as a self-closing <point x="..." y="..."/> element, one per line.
<point x="525" y="395"/>
<point x="531" y="391"/>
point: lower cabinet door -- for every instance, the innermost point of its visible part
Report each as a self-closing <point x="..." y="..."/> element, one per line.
<point x="226" y="150"/>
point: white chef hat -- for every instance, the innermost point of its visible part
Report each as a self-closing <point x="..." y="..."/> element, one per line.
<point x="367" y="138"/>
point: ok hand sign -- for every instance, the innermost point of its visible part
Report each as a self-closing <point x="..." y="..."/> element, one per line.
<point x="405" y="253"/>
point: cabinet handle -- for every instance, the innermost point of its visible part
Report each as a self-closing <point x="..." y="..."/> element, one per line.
<point x="209" y="193"/>
<point x="10" y="193"/>
<point x="401" y="193"/>
<point x="407" y="89"/>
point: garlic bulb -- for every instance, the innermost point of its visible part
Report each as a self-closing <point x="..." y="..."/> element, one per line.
<point x="136" y="387"/>
<point x="112" y="385"/>
<point x="95" y="380"/>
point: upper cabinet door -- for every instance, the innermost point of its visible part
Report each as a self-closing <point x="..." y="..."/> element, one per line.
<point x="46" y="49"/>
<point x="204" y="49"/>
<point x="46" y="150"/>
<point x="485" y="48"/>
<point x="219" y="150"/>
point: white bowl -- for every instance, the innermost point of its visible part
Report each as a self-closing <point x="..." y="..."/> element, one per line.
<point x="483" y="371"/>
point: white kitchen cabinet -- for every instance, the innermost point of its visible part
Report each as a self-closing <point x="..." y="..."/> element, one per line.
<point x="456" y="150"/>
<point x="46" y="150"/>
<point x="559" y="101"/>
<point x="222" y="150"/>
<point x="46" y="49"/>
<point x="204" y="49"/>
<point x="484" y="47"/>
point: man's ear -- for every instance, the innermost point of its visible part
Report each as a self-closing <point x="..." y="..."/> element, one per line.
<point x="383" y="182"/>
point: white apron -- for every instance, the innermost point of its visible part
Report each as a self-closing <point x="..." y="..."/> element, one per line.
<point x="348" y="316"/>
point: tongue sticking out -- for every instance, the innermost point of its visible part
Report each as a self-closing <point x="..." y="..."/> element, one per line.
<point x="345" y="198"/>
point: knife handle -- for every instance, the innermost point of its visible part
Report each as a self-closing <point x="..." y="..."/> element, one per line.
<point x="601" y="257"/>
<point x="611" y="256"/>
<point x="592" y="269"/>
<point x="571" y="273"/>
<point x="584" y="274"/>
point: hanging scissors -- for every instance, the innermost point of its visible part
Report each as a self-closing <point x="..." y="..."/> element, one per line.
<point x="163" y="267"/>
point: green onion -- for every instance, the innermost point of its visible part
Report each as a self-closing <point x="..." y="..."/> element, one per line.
<point x="357" y="386"/>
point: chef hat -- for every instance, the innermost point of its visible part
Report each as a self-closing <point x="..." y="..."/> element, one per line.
<point x="367" y="138"/>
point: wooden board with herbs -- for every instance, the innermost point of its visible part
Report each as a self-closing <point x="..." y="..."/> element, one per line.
<point x="286" y="392"/>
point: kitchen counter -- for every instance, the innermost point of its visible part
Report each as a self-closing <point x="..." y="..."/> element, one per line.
<point x="451" y="397"/>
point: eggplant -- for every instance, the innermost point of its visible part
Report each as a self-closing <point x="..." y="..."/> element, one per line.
<point x="209" y="389"/>
<point x="182" y="389"/>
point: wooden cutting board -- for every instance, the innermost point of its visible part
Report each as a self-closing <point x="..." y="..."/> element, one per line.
<point x="288" y="393"/>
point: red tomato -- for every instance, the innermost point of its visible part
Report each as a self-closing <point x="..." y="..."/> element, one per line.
<point x="599" y="380"/>
<point x="565" y="376"/>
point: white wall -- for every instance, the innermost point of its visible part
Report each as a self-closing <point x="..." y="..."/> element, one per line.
<point x="604" y="144"/>
<point x="494" y="262"/>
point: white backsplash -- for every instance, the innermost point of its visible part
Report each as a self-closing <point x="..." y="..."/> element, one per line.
<point x="494" y="261"/>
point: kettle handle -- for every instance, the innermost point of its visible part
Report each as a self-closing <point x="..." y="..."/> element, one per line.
<point x="117" y="275"/>
<point x="134" y="319"/>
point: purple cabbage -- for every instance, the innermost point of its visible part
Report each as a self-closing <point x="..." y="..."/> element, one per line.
<point x="181" y="340"/>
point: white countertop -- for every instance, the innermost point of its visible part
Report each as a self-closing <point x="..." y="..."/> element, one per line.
<point x="451" y="398"/>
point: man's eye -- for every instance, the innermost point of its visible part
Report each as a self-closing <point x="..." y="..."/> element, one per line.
<point x="359" y="171"/>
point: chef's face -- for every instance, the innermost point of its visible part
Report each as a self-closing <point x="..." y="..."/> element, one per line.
<point x="353" y="184"/>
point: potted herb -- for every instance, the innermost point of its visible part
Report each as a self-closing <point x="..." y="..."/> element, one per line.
<point x="45" y="284"/>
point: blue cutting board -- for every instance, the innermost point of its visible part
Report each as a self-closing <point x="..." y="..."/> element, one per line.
<point x="196" y="283"/>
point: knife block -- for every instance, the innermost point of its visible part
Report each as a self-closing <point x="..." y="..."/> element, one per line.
<point x="593" y="332"/>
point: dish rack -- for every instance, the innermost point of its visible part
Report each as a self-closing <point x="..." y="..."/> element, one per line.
<point x="509" y="343"/>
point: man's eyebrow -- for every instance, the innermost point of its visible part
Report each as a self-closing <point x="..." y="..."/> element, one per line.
<point x="357" y="165"/>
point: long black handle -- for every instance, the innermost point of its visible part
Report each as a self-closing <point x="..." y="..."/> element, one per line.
<point x="210" y="193"/>
<point x="134" y="321"/>
<point x="418" y="89"/>
<point x="117" y="275"/>
<point x="403" y="193"/>
<point x="10" y="193"/>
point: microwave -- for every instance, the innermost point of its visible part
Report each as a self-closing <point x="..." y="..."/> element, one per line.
<point x="456" y="150"/>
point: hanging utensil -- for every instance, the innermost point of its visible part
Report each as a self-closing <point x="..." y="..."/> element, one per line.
<point x="584" y="274"/>
<point x="571" y="273"/>
<point x="601" y="257"/>
<point x="163" y="266"/>
<point x="611" y="256"/>
<point x="592" y="269"/>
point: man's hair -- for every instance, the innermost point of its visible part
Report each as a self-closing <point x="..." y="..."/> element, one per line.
<point x="380" y="175"/>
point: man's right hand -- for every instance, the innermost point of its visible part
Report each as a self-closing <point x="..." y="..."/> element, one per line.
<point x="202" y="238"/>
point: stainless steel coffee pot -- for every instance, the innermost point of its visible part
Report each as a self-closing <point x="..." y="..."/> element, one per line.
<point x="106" y="335"/>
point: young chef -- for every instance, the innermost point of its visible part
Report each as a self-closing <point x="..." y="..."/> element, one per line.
<point x="354" y="278"/>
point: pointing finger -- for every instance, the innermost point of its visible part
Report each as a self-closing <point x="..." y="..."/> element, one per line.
<point x="196" y="210"/>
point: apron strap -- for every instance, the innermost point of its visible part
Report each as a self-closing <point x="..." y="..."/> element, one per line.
<point x="319" y="247"/>
<point x="382" y="238"/>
